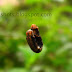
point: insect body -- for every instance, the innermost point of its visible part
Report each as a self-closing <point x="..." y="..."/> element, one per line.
<point x="34" y="39"/>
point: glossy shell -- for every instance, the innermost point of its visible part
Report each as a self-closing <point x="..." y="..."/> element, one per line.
<point x="34" y="39"/>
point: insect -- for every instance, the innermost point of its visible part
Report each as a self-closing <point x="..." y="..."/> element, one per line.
<point x="34" y="39"/>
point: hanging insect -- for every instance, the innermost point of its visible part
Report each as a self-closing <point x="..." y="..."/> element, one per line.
<point x="34" y="39"/>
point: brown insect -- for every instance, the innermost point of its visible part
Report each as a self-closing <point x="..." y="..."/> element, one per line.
<point x="34" y="39"/>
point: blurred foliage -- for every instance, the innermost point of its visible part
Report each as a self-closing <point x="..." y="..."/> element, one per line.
<point x="54" y="19"/>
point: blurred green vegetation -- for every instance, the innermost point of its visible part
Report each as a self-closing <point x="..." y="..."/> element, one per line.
<point x="54" y="19"/>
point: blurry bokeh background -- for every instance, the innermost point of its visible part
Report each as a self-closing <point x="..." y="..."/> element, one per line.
<point x="54" y="19"/>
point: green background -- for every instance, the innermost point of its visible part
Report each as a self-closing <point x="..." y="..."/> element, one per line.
<point x="54" y="19"/>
